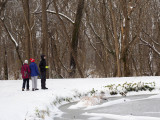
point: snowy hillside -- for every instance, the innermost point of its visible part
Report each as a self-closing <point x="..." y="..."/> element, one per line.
<point x="20" y="105"/>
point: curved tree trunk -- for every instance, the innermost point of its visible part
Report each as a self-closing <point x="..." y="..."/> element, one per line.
<point x="75" y="35"/>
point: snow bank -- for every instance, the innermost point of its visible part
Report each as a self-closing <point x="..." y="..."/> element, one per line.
<point x="120" y="117"/>
<point x="20" y="105"/>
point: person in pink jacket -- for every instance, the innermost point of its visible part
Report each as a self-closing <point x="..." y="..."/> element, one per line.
<point x="25" y="71"/>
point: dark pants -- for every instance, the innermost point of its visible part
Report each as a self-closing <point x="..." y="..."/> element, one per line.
<point x="24" y="83"/>
<point x="43" y="79"/>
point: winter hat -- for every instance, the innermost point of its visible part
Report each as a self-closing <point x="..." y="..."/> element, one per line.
<point x="32" y="60"/>
<point x="42" y="57"/>
<point x="26" y="61"/>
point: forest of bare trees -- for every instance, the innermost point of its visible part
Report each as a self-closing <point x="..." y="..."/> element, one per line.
<point x="81" y="38"/>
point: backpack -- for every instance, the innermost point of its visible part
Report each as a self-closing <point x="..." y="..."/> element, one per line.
<point x="25" y="71"/>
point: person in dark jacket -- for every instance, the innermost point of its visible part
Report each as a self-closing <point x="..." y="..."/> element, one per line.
<point x="25" y="71"/>
<point x="43" y="67"/>
<point x="34" y="74"/>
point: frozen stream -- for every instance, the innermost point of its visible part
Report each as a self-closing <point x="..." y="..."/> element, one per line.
<point x="142" y="107"/>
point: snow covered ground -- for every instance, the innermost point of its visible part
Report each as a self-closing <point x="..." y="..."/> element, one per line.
<point x="20" y="105"/>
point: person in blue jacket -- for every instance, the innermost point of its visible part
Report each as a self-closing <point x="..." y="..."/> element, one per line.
<point x="34" y="74"/>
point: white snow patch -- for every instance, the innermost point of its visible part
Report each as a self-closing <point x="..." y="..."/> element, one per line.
<point x="110" y="103"/>
<point x="86" y="101"/>
<point x="20" y="105"/>
<point x="120" y="117"/>
<point x="95" y="118"/>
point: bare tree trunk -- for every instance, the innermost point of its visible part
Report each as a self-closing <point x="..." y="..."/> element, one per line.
<point x="44" y="28"/>
<point x="55" y="56"/>
<point x="68" y="40"/>
<point x="45" y="32"/>
<point x="126" y="41"/>
<point x="5" y="62"/>
<point x="27" y="27"/>
<point x="116" y="40"/>
<point x="75" y="35"/>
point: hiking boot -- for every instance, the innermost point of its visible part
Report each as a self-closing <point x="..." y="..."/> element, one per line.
<point x="22" y="89"/>
<point x="36" y="89"/>
<point x="32" y="89"/>
<point x="45" y="88"/>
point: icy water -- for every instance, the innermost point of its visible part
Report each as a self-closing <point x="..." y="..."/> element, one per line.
<point x="137" y="107"/>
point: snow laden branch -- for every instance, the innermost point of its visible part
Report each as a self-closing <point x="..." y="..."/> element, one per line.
<point x="12" y="39"/>
<point x="9" y="34"/>
<point x="151" y="46"/>
<point x="60" y="14"/>
<point x="151" y="38"/>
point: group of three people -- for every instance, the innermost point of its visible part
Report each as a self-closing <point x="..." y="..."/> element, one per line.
<point x="32" y="71"/>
